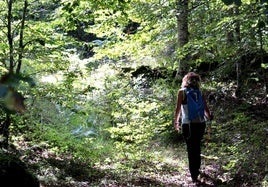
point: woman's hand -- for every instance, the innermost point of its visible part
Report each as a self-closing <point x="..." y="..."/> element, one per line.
<point x="177" y="126"/>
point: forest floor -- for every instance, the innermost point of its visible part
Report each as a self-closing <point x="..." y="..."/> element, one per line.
<point x="171" y="172"/>
<point x="235" y="156"/>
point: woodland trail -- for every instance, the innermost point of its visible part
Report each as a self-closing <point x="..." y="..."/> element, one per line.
<point x="144" y="174"/>
<point x="172" y="174"/>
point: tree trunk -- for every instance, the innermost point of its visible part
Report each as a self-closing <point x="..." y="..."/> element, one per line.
<point x="10" y="36"/>
<point x="232" y="38"/>
<point x="183" y="33"/>
<point x="237" y="24"/>
<point x="21" y="45"/>
<point x="4" y="131"/>
<point x="233" y="34"/>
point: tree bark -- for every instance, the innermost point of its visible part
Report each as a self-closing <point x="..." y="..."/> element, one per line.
<point x="21" y="45"/>
<point x="10" y="36"/>
<point x="182" y="22"/>
<point x="233" y="35"/>
<point x="183" y="33"/>
<point x="237" y="24"/>
<point x="4" y="131"/>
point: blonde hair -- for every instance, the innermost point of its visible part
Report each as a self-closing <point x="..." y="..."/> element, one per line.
<point x="187" y="77"/>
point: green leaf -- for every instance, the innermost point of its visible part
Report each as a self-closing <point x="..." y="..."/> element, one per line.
<point x="265" y="66"/>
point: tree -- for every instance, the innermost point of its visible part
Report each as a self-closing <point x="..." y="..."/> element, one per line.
<point x="12" y="31"/>
<point x="11" y="64"/>
<point x="233" y="33"/>
<point x="183" y="32"/>
<point x="12" y="49"/>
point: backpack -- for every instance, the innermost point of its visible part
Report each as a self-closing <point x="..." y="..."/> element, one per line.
<point x="195" y="104"/>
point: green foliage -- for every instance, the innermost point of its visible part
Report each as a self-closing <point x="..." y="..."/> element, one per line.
<point x="265" y="66"/>
<point x="239" y="141"/>
<point x="91" y="110"/>
<point x="58" y="119"/>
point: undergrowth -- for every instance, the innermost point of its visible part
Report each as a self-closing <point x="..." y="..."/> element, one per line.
<point x="125" y="137"/>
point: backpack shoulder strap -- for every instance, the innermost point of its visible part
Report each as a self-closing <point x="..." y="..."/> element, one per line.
<point x="184" y="96"/>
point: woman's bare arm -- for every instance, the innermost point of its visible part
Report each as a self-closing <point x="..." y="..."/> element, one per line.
<point x="178" y="109"/>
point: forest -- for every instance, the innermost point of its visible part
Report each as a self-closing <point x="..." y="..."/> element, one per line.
<point x="88" y="91"/>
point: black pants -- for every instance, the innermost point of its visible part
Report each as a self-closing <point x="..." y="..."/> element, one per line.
<point x="193" y="134"/>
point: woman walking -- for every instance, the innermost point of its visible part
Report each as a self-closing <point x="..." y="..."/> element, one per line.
<point x="191" y="109"/>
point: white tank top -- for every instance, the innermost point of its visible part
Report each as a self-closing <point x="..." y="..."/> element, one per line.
<point x="184" y="114"/>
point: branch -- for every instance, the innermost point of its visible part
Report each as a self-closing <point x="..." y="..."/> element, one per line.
<point x="40" y="41"/>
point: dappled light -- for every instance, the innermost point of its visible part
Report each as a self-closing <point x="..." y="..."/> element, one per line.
<point x="88" y="92"/>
